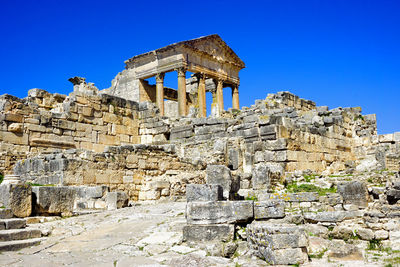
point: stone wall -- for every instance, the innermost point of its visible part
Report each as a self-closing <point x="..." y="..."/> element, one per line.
<point x="144" y="172"/>
<point x="44" y="122"/>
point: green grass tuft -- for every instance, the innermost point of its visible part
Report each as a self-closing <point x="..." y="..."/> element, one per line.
<point x="294" y="188"/>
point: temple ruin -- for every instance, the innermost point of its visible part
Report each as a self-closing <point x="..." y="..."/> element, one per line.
<point x="284" y="179"/>
<point x="208" y="58"/>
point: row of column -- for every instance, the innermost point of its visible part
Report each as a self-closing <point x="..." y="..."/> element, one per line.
<point x="182" y="103"/>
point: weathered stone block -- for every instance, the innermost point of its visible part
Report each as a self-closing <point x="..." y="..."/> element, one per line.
<point x="270" y="209"/>
<point x="51" y="200"/>
<point x="219" y="212"/>
<point x="220" y="232"/>
<point x="278" y="244"/>
<point x="334" y="216"/>
<point x="116" y="200"/>
<point x="354" y="192"/>
<point x="264" y="173"/>
<point x="233" y="159"/>
<point x="203" y="192"/>
<point x="220" y="175"/>
<point x="90" y="191"/>
<point x="18" y="198"/>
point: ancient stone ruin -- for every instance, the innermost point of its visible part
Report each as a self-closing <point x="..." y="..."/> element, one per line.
<point x="283" y="180"/>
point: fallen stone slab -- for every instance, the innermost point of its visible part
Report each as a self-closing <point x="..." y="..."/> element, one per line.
<point x="219" y="212"/>
<point x="270" y="209"/>
<point x="221" y="232"/>
<point x="203" y="192"/>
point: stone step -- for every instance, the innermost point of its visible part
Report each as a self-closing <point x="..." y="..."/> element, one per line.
<point x="5" y="213"/>
<point x="19" y="244"/>
<point x="19" y="234"/>
<point x="6" y="224"/>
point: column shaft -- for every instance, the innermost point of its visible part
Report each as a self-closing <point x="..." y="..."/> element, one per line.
<point x="220" y="95"/>
<point x="182" y="91"/>
<point x="160" y="92"/>
<point x="201" y="95"/>
<point x="235" y="97"/>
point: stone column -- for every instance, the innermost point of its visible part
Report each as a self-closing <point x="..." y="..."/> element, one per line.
<point x="201" y="95"/>
<point x="235" y="97"/>
<point x="220" y="95"/>
<point x="182" y="91"/>
<point x="160" y="92"/>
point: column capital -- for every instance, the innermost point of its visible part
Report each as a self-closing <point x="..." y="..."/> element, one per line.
<point x="160" y="77"/>
<point x="181" y="71"/>
<point x="200" y="75"/>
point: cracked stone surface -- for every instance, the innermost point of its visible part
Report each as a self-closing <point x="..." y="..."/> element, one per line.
<point x="147" y="234"/>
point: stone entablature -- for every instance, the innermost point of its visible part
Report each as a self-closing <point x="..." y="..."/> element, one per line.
<point x="207" y="57"/>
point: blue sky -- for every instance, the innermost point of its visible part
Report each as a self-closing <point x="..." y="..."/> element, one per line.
<point x="336" y="53"/>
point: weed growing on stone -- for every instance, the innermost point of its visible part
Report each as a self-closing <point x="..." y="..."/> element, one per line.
<point x="294" y="188"/>
<point x="374" y="244"/>
<point x="318" y="255"/>
<point x="35" y="184"/>
<point x="254" y="198"/>
<point x="1" y="178"/>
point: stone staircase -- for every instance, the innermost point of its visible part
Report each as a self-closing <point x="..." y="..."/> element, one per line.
<point x="14" y="235"/>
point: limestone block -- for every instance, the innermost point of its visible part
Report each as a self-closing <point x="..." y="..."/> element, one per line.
<point x="331" y="216"/>
<point x="18" y="198"/>
<point x="16" y="127"/>
<point x="278" y="243"/>
<point x="273" y="145"/>
<point x="54" y="200"/>
<point x="220" y="175"/>
<point x="6" y="213"/>
<point x="270" y="209"/>
<point x="14" y="117"/>
<point x="14" y="138"/>
<point x="354" y="192"/>
<point x="36" y="128"/>
<point x="203" y="192"/>
<point x="87" y="192"/>
<point x="219" y="212"/>
<point x="264" y="173"/>
<point x="64" y="124"/>
<point x="205" y="233"/>
<point x="116" y="200"/>
<point x="381" y="235"/>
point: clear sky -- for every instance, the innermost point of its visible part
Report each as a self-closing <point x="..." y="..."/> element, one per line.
<point x="334" y="52"/>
